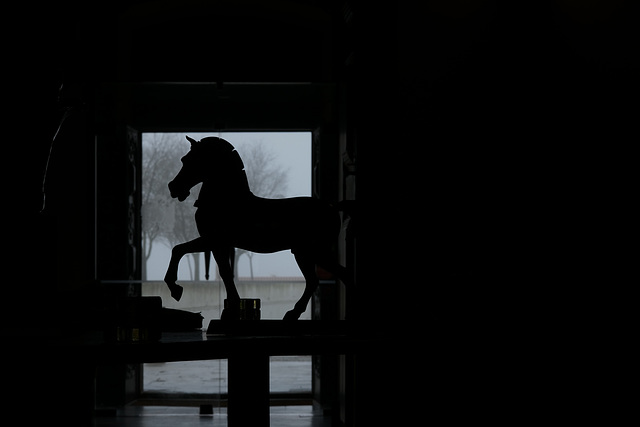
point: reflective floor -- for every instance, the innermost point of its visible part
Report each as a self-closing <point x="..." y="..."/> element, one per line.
<point x="170" y="416"/>
<point x="287" y="374"/>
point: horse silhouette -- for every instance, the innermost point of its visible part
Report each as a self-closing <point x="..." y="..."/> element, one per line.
<point x="230" y="216"/>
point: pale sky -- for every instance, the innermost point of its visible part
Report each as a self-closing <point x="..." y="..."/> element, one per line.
<point x="293" y="152"/>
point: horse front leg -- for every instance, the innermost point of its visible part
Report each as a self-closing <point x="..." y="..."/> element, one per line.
<point x="178" y="251"/>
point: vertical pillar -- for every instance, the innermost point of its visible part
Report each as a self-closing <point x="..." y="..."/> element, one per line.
<point x="248" y="390"/>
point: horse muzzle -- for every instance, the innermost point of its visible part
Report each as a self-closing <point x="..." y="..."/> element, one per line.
<point x="180" y="194"/>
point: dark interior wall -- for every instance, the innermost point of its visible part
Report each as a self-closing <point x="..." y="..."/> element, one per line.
<point x="500" y="160"/>
<point x="524" y="113"/>
<point x="521" y="110"/>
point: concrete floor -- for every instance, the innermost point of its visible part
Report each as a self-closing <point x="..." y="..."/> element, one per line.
<point x="160" y="416"/>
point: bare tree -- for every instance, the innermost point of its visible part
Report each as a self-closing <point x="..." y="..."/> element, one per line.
<point x="162" y="218"/>
<point x="267" y="178"/>
<point x="158" y="167"/>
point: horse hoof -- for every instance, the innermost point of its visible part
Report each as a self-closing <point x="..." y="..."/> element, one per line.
<point x="291" y="315"/>
<point x="176" y="292"/>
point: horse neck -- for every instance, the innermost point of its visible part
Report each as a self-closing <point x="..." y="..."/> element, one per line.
<point x="218" y="190"/>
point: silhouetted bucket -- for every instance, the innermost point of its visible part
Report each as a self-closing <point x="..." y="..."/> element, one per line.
<point x="249" y="308"/>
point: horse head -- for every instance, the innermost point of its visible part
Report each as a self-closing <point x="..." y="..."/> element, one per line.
<point x="208" y="158"/>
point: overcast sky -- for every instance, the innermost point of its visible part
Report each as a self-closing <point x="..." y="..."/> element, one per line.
<point x="293" y="152"/>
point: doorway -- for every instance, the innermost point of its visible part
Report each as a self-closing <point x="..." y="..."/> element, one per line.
<point x="278" y="165"/>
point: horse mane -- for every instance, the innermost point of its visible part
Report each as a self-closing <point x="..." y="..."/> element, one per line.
<point x="223" y="150"/>
<point x="227" y="164"/>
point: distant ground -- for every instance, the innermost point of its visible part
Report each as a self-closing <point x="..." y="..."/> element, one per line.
<point x="277" y="296"/>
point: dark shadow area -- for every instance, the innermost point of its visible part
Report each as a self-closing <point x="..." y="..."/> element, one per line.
<point x="487" y="145"/>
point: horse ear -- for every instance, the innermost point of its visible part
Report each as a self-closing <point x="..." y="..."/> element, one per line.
<point x="191" y="140"/>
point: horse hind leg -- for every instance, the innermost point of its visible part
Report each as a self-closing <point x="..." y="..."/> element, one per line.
<point x="308" y="268"/>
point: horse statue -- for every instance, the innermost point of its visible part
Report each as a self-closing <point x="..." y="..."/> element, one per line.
<point x="230" y="216"/>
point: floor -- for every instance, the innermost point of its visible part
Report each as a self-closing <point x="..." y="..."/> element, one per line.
<point x="287" y="374"/>
<point x="160" y="416"/>
<point x="290" y="374"/>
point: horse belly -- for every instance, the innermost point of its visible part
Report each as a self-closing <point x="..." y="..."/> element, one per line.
<point x="272" y="225"/>
<point x="266" y="238"/>
<point x="274" y="237"/>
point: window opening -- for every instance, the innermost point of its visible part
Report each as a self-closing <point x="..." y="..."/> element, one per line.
<point x="278" y="164"/>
